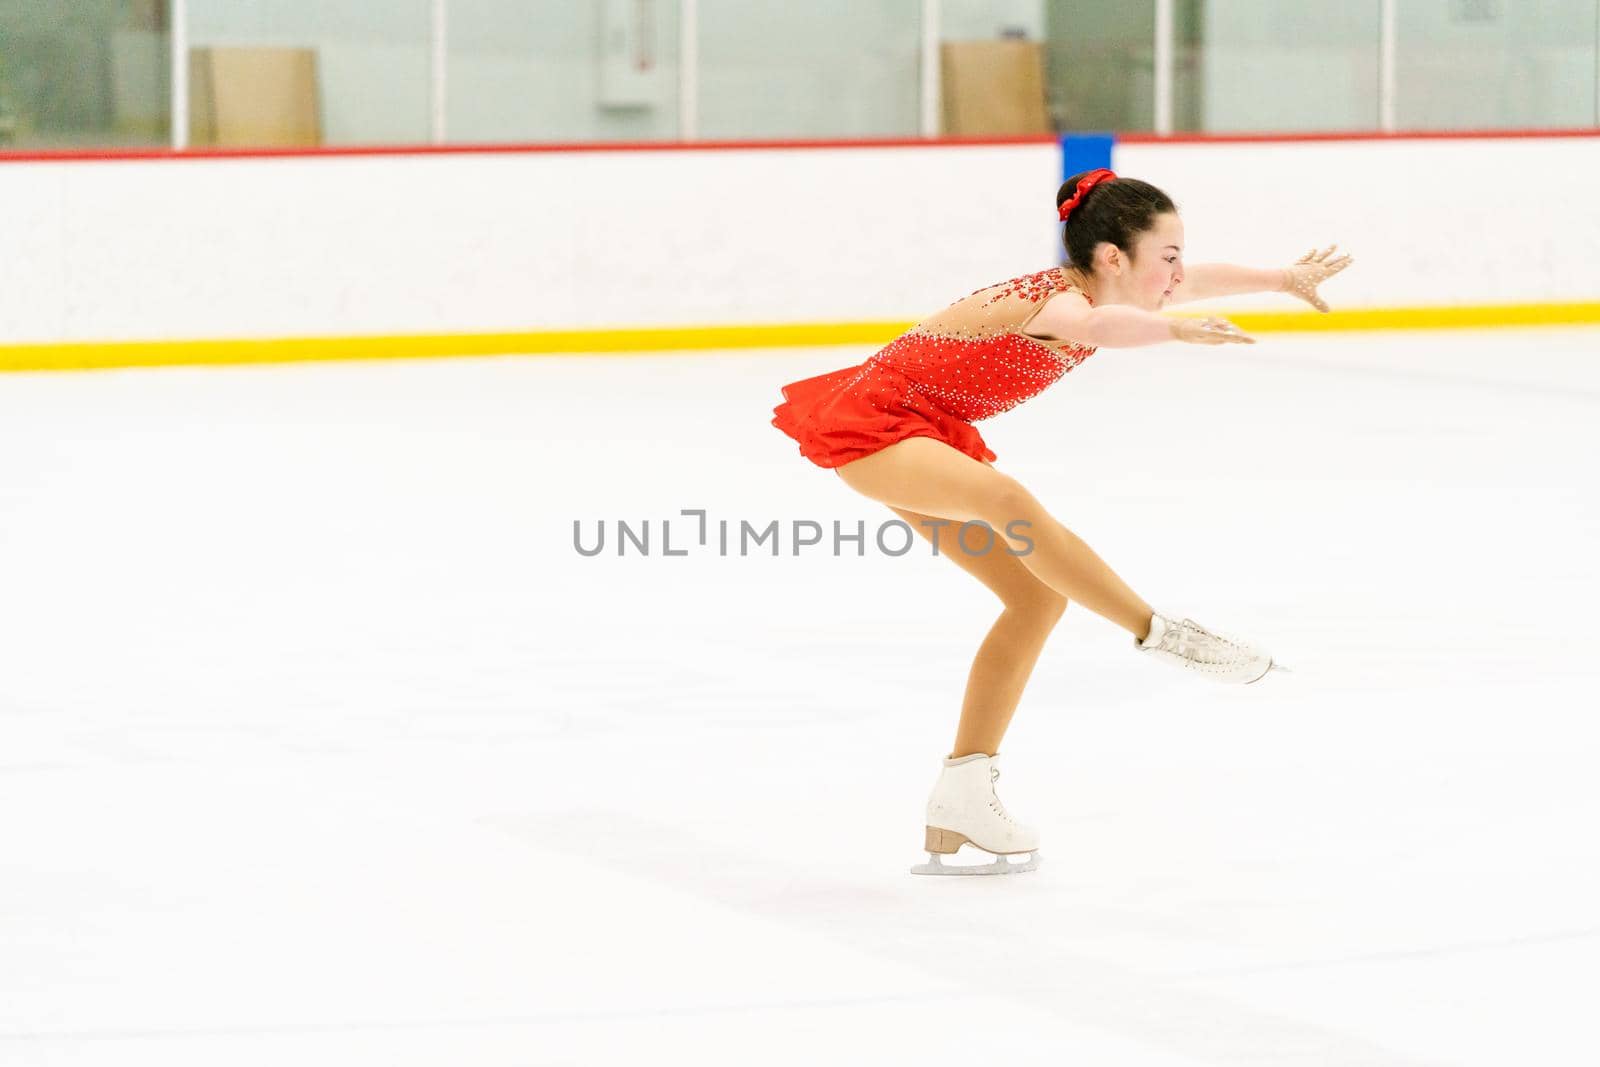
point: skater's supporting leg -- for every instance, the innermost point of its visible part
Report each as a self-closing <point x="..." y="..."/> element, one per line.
<point x="1007" y="657"/>
<point x="931" y="478"/>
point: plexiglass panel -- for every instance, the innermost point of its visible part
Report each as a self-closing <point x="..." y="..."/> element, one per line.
<point x="1494" y="64"/>
<point x="553" y="70"/>
<point x="1101" y="65"/>
<point x="96" y="73"/>
<point x="1287" y="67"/>
<point x="827" y="68"/>
<point x="83" y="74"/>
<point x="371" y="62"/>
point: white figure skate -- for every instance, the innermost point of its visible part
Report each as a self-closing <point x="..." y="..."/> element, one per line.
<point x="1191" y="646"/>
<point x="965" y="810"/>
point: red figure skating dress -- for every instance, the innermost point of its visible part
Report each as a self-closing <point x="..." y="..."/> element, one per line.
<point x="969" y="362"/>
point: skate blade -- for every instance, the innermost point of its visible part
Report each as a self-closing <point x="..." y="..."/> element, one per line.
<point x="1001" y="865"/>
<point x="1273" y="666"/>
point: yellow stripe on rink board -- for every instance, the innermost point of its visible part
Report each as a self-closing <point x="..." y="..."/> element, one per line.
<point x="1431" y="318"/>
<point x="90" y="356"/>
<point x="93" y="356"/>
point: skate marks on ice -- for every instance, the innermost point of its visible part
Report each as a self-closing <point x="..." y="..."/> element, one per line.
<point x="1401" y="955"/>
<point x="1495" y="380"/>
<point x="955" y="938"/>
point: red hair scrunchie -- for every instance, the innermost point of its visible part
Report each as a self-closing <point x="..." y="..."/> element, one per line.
<point x="1088" y="181"/>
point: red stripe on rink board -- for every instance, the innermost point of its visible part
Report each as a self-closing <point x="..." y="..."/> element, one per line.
<point x="1408" y="135"/>
<point x="148" y="154"/>
<point x="74" y="156"/>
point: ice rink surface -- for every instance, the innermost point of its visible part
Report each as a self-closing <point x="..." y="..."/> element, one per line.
<point x="320" y="742"/>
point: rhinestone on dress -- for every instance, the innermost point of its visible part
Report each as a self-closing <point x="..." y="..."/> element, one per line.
<point x="967" y="363"/>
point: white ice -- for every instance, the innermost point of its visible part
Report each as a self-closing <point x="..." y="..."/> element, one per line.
<point x="320" y="743"/>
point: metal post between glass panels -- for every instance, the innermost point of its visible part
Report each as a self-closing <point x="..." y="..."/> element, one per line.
<point x="178" y="59"/>
<point x="1163" y="63"/>
<point x="439" y="58"/>
<point x="1386" y="65"/>
<point x="688" y="70"/>
<point x="929" y="93"/>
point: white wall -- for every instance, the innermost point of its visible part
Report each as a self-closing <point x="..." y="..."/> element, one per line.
<point x="1431" y="222"/>
<point x="486" y="243"/>
<point x="479" y="243"/>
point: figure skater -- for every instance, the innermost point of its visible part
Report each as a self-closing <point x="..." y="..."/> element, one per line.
<point x="898" y="429"/>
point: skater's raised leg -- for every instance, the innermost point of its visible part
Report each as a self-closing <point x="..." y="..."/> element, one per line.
<point x="931" y="478"/>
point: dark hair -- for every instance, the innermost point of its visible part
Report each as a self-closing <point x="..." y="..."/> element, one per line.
<point x="1117" y="211"/>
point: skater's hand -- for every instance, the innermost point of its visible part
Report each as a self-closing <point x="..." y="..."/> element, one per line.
<point x="1212" y="331"/>
<point x="1310" y="271"/>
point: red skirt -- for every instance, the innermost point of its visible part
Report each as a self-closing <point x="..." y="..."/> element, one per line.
<point x="846" y="414"/>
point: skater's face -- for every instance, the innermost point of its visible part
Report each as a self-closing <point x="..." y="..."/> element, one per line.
<point x="1146" y="275"/>
<point x="1156" y="268"/>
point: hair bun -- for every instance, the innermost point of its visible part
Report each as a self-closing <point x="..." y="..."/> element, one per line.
<point x="1087" y="182"/>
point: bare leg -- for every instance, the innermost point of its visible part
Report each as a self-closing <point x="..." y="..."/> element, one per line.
<point x="1008" y="654"/>
<point x="931" y="478"/>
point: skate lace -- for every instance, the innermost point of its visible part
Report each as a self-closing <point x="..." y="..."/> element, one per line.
<point x="994" y="798"/>
<point x="1194" y="642"/>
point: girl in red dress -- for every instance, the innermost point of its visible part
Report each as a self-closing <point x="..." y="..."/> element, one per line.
<point x="898" y="428"/>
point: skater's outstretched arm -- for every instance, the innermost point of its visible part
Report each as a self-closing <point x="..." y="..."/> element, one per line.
<point x="1207" y="281"/>
<point x="1203" y="281"/>
<point x="1067" y="316"/>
